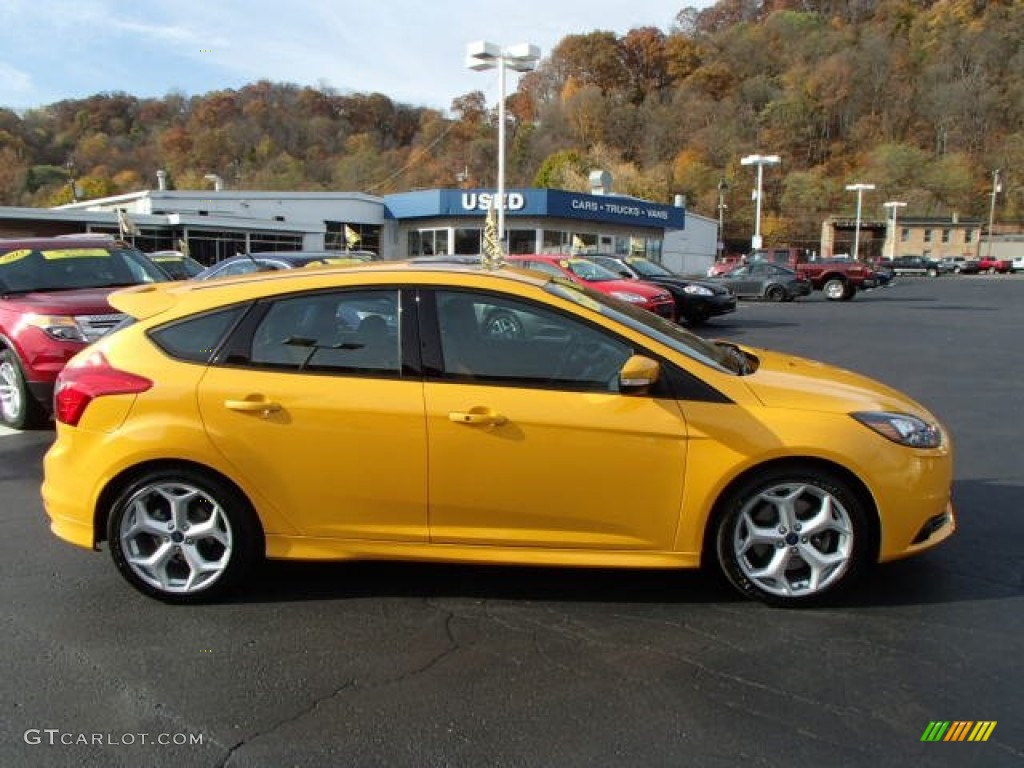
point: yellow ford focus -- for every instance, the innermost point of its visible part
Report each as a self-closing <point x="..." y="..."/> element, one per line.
<point x="446" y="413"/>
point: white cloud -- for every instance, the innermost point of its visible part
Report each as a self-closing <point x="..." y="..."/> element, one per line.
<point x="410" y="50"/>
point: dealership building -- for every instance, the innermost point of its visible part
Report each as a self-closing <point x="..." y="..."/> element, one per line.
<point x="214" y="224"/>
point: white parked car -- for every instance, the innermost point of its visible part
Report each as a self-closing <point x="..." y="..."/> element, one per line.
<point x="1017" y="265"/>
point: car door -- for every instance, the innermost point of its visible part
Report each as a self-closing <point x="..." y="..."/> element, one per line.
<point x="311" y="407"/>
<point x="531" y="444"/>
<point x="743" y="282"/>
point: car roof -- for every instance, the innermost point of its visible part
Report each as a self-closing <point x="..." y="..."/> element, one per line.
<point x="153" y="298"/>
<point x="62" y="241"/>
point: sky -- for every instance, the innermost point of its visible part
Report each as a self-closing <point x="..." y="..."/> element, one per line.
<point x="413" y="51"/>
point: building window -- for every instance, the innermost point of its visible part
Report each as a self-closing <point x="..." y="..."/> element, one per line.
<point x="927" y="235"/>
<point x="428" y="242"/>
<point x="905" y="235"/>
<point x="555" y="241"/>
<point x="968" y="235"/>
<point x="945" y="235"/>
<point x="522" y="241"/>
<point x="467" y="241"/>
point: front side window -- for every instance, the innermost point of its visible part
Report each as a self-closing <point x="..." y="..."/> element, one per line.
<point x="353" y="332"/>
<point x="496" y="340"/>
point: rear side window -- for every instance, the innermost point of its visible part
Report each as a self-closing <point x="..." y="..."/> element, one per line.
<point x="196" y="338"/>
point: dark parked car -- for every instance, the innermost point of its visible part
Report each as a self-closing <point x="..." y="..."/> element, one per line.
<point x="763" y="280"/>
<point x="244" y="263"/>
<point x="915" y="265"/>
<point x="176" y="264"/>
<point x="696" y="300"/>
<point x="961" y="265"/>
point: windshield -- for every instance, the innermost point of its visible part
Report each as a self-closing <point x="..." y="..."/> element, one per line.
<point x="28" y="270"/>
<point x="592" y="272"/>
<point x="722" y="356"/>
<point x="649" y="268"/>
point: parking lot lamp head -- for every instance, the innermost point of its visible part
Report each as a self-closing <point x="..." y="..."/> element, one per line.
<point x="522" y="57"/>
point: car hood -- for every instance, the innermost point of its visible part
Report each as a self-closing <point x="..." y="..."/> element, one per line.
<point x="681" y="282"/>
<point x="80" y="301"/>
<point x="786" y="381"/>
<point x="639" y="287"/>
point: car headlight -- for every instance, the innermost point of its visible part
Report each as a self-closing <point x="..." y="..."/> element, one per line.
<point x="60" y="327"/>
<point x="902" y="428"/>
<point x="698" y="290"/>
<point x="632" y="298"/>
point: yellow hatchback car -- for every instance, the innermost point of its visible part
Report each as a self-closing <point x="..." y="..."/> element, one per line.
<point x="435" y="412"/>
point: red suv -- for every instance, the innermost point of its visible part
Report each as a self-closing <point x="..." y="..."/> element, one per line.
<point x="53" y="302"/>
<point x="651" y="297"/>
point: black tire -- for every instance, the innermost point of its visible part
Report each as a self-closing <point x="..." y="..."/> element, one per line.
<point x="18" y="408"/>
<point x="775" y="293"/>
<point x="695" y="319"/>
<point x="231" y="541"/>
<point x="933" y="272"/>
<point x="849" y="293"/>
<point x="844" y="536"/>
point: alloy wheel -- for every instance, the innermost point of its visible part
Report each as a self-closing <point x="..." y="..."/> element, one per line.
<point x="793" y="540"/>
<point x="175" y="538"/>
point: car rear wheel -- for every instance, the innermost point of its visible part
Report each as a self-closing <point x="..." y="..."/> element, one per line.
<point x="775" y="293"/>
<point x="835" y="289"/>
<point x="791" y="536"/>
<point x="182" y="536"/>
<point x="18" y="408"/>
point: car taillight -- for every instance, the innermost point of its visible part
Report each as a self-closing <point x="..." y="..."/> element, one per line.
<point x="82" y="382"/>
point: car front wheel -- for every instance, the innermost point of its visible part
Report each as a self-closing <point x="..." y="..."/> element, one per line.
<point x="181" y="536"/>
<point x="791" y="536"/>
<point x="18" y="408"/>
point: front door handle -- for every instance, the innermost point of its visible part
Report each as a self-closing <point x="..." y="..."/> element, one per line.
<point x="261" y="406"/>
<point x="477" y="417"/>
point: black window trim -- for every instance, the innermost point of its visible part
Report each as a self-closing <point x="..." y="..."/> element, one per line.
<point x="234" y="351"/>
<point x="675" y="383"/>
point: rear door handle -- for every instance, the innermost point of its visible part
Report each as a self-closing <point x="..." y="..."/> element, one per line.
<point x="477" y="418"/>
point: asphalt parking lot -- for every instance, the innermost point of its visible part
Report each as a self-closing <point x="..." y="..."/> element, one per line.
<point x="376" y="664"/>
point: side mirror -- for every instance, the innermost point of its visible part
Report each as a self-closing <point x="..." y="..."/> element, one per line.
<point x="638" y="373"/>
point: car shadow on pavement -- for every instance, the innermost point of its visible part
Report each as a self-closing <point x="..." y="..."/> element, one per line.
<point x="981" y="562"/>
<point x="294" y="581"/>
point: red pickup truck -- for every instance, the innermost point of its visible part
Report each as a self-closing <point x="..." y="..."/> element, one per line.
<point x="838" y="279"/>
<point x="992" y="265"/>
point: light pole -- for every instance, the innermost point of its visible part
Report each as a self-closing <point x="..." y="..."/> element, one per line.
<point x="760" y="161"/>
<point x="893" y="205"/>
<point x="859" y="189"/>
<point x="722" y="189"/>
<point x="523" y="57"/>
<point x="996" y="189"/>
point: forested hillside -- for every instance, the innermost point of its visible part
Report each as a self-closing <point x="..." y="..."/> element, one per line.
<point x="922" y="99"/>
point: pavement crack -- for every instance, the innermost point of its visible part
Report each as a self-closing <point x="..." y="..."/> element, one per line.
<point x="281" y="723"/>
